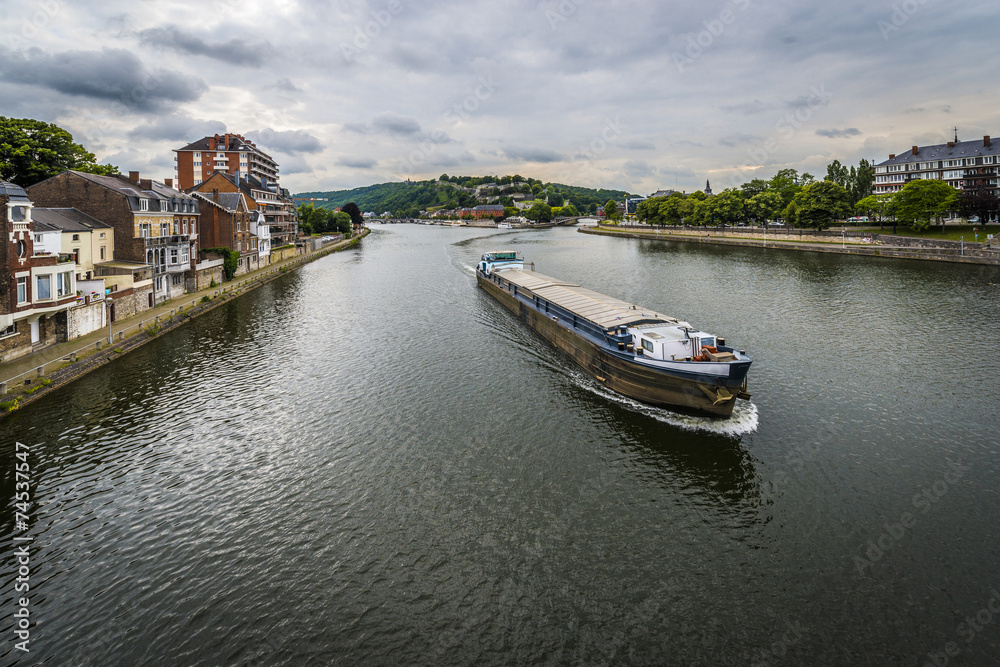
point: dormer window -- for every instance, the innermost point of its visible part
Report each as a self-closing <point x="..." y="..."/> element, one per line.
<point x="143" y="204"/>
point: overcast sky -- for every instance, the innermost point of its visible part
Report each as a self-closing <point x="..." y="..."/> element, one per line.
<point x="622" y="94"/>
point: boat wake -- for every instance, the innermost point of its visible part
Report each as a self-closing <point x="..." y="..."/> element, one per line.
<point x="745" y="418"/>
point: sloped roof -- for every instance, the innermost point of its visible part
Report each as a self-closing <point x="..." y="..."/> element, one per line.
<point x="13" y="191"/>
<point x="960" y="149"/>
<point x="66" y="219"/>
<point x="228" y="201"/>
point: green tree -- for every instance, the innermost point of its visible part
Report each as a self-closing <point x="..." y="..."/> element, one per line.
<point x="675" y="208"/>
<point x="785" y="183"/>
<point x="876" y="207"/>
<point x="352" y="210"/>
<point x="611" y="210"/>
<point x="861" y="182"/>
<point x="31" y="151"/>
<point x="820" y="203"/>
<point x="838" y="173"/>
<point x="649" y="210"/>
<point x="764" y="206"/>
<point x="540" y="212"/>
<point x="921" y="201"/>
<point x="341" y="222"/>
<point x="569" y="211"/>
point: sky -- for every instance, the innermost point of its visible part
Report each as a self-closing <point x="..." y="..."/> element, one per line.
<point x="630" y="95"/>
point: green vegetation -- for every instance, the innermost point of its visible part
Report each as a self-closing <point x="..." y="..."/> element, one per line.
<point x="46" y="382"/>
<point x="921" y="201"/>
<point x="31" y="151"/>
<point x="407" y="200"/>
<point x="11" y="405"/>
<point x="205" y="299"/>
<point x="314" y="220"/>
<point x="230" y="261"/>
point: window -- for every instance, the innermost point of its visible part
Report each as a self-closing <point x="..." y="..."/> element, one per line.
<point x="185" y="255"/>
<point x="173" y="255"/>
<point x="176" y="280"/>
<point x="9" y="331"/>
<point x="164" y="229"/>
<point x="647" y="345"/>
<point x="176" y="228"/>
<point x="38" y="238"/>
<point x="197" y="163"/>
<point x="197" y="181"/>
<point x="102" y="235"/>
<point x="43" y="288"/>
<point x="103" y="253"/>
<point x="18" y="213"/>
<point x="197" y="156"/>
<point x="64" y="283"/>
<point x="22" y="289"/>
<point x="76" y="237"/>
<point x="143" y="204"/>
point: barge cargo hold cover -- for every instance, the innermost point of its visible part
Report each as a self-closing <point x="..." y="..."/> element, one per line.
<point x="634" y="351"/>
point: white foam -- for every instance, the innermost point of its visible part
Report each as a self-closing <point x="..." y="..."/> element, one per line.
<point x="745" y="418"/>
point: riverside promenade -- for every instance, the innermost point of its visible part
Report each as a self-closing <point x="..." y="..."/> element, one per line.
<point x="849" y="242"/>
<point x="26" y="378"/>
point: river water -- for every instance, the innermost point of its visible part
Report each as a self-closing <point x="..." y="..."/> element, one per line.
<point x="370" y="461"/>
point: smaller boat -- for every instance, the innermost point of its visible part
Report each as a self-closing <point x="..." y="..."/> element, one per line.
<point x="504" y="225"/>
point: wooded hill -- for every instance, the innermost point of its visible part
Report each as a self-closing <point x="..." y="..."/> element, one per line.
<point x="407" y="199"/>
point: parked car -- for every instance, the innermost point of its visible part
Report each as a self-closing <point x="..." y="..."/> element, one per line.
<point x="858" y="218"/>
<point x="974" y="218"/>
<point x="777" y="224"/>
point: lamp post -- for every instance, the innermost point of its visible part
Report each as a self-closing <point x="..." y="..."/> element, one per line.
<point x="109" y="302"/>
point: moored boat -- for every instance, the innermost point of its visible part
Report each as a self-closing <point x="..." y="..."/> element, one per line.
<point x="634" y="351"/>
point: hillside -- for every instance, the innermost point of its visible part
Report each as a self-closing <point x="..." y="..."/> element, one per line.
<point x="409" y="198"/>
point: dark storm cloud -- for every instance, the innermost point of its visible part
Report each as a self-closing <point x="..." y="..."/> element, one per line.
<point x="357" y="163"/>
<point x="530" y="154"/>
<point x="177" y="127"/>
<point x="107" y="75"/>
<point x="839" y="134"/>
<point x="290" y="142"/>
<point x="248" y="52"/>
<point x="399" y="127"/>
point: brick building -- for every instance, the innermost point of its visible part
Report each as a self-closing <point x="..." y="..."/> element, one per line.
<point x="148" y="219"/>
<point x="37" y="287"/>
<point x="273" y="202"/>
<point x="228" y="222"/>
<point x="229" y="153"/>
<point x="964" y="165"/>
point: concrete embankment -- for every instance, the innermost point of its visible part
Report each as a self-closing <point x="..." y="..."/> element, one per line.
<point x="28" y="378"/>
<point x="851" y="243"/>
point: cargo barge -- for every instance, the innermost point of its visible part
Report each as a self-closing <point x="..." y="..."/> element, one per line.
<point x="636" y="352"/>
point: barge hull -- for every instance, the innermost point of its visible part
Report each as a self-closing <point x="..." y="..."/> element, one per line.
<point x="626" y="378"/>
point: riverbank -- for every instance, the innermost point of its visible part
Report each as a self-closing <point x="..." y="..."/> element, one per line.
<point x="852" y="242"/>
<point x="27" y="378"/>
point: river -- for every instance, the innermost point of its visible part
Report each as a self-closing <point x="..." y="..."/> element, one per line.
<point x="370" y="461"/>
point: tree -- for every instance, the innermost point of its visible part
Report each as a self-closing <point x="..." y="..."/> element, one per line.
<point x="611" y="209"/>
<point x="31" y="151"/>
<point x="979" y="201"/>
<point x="785" y="183"/>
<point x="764" y="206"/>
<point x="838" y="173"/>
<point x="820" y="203"/>
<point x="675" y="208"/>
<point x="540" y="212"/>
<point x="725" y="208"/>
<point x="922" y="200"/>
<point x="649" y="210"/>
<point x="876" y="207"/>
<point x="342" y="223"/>
<point x="861" y="182"/>
<point x="352" y="210"/>
<point x="569" y="211"/>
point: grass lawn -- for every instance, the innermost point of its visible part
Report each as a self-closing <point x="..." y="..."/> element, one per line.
<point x="951" y="232"/>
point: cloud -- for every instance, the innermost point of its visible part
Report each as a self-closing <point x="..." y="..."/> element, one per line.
<point x="638" y="145"/>
<point x="399" y="127"/>
<point x="740" y="139"/>
<point x="533" y="155"/>
<point x="839" y="134"/>
<point x="357" y="163"/>
<point x="177" y="127"/>
<point x="107" y="75"/>
<point x="747" y="108"/>
<point x="639" y="169"/>
<point x="284" y="85"/>
<point x="248" y="52"/>
<point x="290" y="142"/>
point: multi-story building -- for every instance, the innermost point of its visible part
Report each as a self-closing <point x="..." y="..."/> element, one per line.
<point x="148" y="224"/>
<point x="72" y="232"/>
<point x="229" y="153"/>
<point x="965" y="165"/>
<point x="227" y="222"/>
<point x="37" y="286"/>
<point x="273" y="202"/>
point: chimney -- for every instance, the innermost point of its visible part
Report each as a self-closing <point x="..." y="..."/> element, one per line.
<point x="914" y="150"/>
<point x="146" y="184"/>
<point x="986" y="141"/>
<point x="134" y="177"/>
<point x="892" y="157"/>
<point x="169" y="182"/>
<point x="951" y="144"/>
<point x="215" y="195"/>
